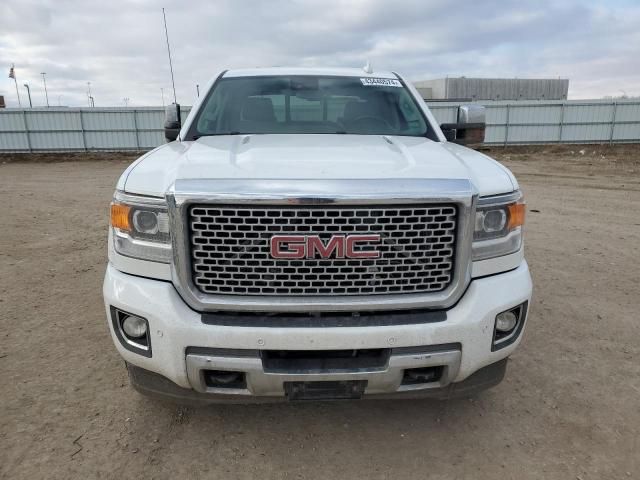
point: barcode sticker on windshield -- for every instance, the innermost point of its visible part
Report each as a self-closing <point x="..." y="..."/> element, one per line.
<point x="380" y="82"/>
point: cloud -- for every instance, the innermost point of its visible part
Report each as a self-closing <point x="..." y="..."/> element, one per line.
<point x="119" y="46"/>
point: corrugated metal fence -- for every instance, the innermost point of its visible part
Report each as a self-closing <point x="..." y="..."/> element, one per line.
<point x="570" y="121"/>
<point x="530" y="122"/>
<point x="81" y="129"/>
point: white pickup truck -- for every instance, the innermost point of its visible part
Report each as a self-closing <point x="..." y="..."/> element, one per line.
<point x="312" y="234"/>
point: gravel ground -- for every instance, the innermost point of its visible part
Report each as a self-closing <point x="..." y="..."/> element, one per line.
<point x="568" y="409"/>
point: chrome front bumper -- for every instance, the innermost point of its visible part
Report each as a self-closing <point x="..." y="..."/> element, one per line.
<point x="387" y="379"/>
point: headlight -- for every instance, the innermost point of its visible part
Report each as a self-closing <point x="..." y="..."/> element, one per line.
<point x="141" y="227"/>
<point x="498" y="226"/>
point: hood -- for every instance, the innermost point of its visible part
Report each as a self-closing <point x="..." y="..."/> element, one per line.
<point x="298" y="156"/>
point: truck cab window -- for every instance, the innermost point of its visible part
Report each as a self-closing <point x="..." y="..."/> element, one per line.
<point x="315" y="105"/>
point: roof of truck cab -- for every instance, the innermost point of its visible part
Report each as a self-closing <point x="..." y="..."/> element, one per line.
<point x="331" y="72"/>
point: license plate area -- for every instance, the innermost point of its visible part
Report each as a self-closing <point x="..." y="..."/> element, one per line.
<point x="325" y="390"/>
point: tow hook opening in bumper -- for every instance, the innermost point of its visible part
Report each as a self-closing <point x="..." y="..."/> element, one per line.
<point x="417" y="376"/>
<point x="224" y="379"/>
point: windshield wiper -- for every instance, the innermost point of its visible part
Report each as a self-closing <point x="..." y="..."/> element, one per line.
<point x="196" y="137"/>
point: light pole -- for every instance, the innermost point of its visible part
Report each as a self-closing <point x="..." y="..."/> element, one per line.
<point x="44" y="80"/>
<point x="89" y="93"/>
<point x="198" y="90"/>
<point x="29" y="94"/>
<point x="162" y="93"/>
<point x="12" y="74"/>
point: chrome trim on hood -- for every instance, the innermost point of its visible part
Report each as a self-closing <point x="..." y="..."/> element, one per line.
<point x="312" y="191"/>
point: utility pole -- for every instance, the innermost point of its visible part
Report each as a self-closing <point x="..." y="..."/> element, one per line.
<point x="29" y="94"/>
<point x="166" y="32"/>
<point x="44" y="80"/>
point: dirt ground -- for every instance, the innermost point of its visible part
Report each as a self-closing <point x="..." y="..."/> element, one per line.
<point x="569" y="407"/>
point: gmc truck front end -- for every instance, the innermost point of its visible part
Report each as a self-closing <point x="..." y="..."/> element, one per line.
<point x="315" y="234"/>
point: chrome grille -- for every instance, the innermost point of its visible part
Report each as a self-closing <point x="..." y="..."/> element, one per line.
<point x="230" y="251"/>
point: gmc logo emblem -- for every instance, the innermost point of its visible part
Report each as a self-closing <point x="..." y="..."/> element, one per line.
<point x="312" y="246"/>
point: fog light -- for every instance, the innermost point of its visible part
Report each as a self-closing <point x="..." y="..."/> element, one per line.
<point x="508" y="326"/>
<point x="132" y="331"/>
<point x="506" y="321"/>
<point x="134" y="327"/>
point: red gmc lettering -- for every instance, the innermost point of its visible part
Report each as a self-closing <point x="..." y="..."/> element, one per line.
<point x="335" y="243"/>
<point x="352" y="243"/>
<point x="295" y="246"/>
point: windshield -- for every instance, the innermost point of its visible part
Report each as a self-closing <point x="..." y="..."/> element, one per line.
<point x="309" y="104"/>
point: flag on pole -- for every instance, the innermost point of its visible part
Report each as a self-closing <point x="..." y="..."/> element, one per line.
<point x="12" y="73"/>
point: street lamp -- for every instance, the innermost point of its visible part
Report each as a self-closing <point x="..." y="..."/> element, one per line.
<point x="89" y="93"/>
<point x="29" y="94"/>
<point x="44" y="80"/>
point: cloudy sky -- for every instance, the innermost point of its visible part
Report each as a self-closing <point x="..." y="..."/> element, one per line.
<point x="119" y="46"/>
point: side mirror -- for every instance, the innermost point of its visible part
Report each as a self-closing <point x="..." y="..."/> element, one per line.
<point x="470" y="127"/>
<point x="172" y="122"/>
